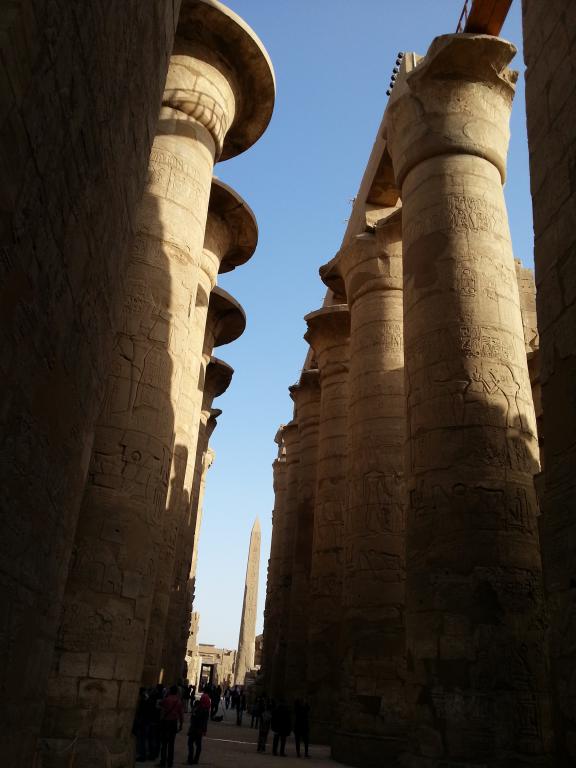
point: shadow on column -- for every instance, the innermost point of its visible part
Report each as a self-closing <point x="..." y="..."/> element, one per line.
<point x="100" y="646"/>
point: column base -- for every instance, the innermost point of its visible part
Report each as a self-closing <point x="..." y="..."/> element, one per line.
<point x="367" y="750"/>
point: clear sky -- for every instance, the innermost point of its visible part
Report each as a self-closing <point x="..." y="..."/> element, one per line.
<point x="333" y="60"/>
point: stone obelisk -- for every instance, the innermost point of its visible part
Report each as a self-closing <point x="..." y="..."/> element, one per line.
<point x="245" y="655"/>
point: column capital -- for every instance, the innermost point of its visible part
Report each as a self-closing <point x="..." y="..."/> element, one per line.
<point x="456" y="100"/>
<point x="226" y="319"/>
<point x="218" y="377"/>
<point x="231" y="228"/>
<point x="214" y="45"/>
<point x="212" y="423"/>
<point x="308" y="384"/>
<point x="370" y="261"/>
<point x="328" y="333"/>
<point x="291" y="435"/>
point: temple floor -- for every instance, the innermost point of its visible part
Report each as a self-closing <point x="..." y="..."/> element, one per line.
<point x="230" y="746"/>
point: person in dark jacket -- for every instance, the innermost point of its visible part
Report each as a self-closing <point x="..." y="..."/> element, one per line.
<point x="240" y="706"/>
<point x="264" y="724"/>
<point x="140" y="727"/>
<point x="171" y="720"/>
<point x="154" y="698"/>
<point x="281" y="725"/>
<point x="198" y="728"/>
<point x="301" y="725"/>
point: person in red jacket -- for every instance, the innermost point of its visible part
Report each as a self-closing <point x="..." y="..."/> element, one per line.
<point x="171" y="719"/>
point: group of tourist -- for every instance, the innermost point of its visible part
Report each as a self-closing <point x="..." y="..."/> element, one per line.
<point x="160" y="716"/>
<point x="268" y="715"/>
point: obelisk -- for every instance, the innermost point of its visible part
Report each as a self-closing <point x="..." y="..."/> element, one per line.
<point x="245" y="655"/>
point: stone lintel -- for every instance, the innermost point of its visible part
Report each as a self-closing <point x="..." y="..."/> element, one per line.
<point x="225" y="316"/>
<point x="329" y="325"/>
<point x="209" y="28"/>
<point x="226" y="204"/>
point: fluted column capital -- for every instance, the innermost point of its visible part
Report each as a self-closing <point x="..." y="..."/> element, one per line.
<point x="220" y="76"/>
<point x="457" y="100"/>
<point x="226" y="320"/>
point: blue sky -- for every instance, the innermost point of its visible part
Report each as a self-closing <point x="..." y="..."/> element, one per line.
<point x="333" y="60"/>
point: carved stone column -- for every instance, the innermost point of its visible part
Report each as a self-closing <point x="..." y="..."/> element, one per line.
<point x="225" y="323"/>
<point x="217" y="101"/>
<point x="328" y="335"/>
<point x="272" y="617"/>
<point x="230" y="240"/>
<point x="475" y="622"/>
<point x="372" y="727"/>
<point x="291" y="438"/>
<point x="218" y="377"/>
<point x="306" y="396"/>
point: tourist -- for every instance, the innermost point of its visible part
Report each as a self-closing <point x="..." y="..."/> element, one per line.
<point x="171" y="720"/>
<point x="255" y="711"/>
<point x="140" y="726"/>
<point x="240" y="706"/>
<point x="264" y="724"/>
<point x="198" y="728"/>
<point x="215" y="697"/>
<point x="301" y="725"/>
<point x="281" y="724"/>
<point x="186" y="697"/>
<point x="227" y="696"/>
<point x="154" y="698"/>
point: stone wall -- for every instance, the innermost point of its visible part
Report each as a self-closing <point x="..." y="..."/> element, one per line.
<point x="81" y="86"/>
<point x="550" y="54"/>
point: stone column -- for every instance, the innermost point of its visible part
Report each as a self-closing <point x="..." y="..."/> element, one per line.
<point x="218" y="378"/>
<point x="475" y="622"/>
<point x="272" y="617"/>
<point x="372" y="725"/>
<point x="225" y="323"/>
<point x="247" y="637"/>
<point x="230" y="240"/>
<point x="281" y="604"/>
<point x="328" y="335"/>
<point x="306" y="396"/>
<point x="209" y="111"/>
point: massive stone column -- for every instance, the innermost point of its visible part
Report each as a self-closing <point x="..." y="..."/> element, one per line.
<point x="287" y="521"/>
<point x="230" y="240"/>
<point x="218" y="377"/>
<point x="225" y="323"/>
<point x="79" y="109"/>
<point x="245" y="655"/>
<point x="368" y="271"/>
<point x="475" y="624"/>
<point x="549" y="31"/>
<point x="209" y="111"/>
<point x="306" y="396"/>
<point x="328" y="335"/>
<point x="272" y="617"/>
